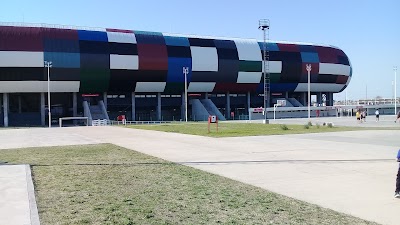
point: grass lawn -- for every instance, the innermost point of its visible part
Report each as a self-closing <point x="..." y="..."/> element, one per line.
<point x="107" y="184"/>
<point x="241" y="129"/>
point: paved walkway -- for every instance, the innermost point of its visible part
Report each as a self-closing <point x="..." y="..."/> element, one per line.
<point x="351" y="172"/>
<point x="17" y="198"/>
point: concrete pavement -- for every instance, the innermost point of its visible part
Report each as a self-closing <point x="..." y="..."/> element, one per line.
<point x="350" y="172"/>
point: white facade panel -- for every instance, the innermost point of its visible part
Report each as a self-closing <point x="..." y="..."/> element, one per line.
<point x="127" y="62"/>
<point x="248" y="49"/>
<point x="38" y="86"/>
<point x="201" y="86"/>
<point x="249" y="77"/>
<point x="204" y="58"/>
<point x="21" y="59"/>
<point x="274" y="67"/>
<point x="119" y="37"/>
<point x="331" y="68"/>
<point x="150" y="86"/>
<point x="319" y="87"/>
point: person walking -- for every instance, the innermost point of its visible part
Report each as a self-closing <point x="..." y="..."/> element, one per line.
<point x="358" y="116"/>
<point x="377" y="115"/>
<point x="364" y="115"/>
<point x="397" y="192"/>
<point x="398" y="117"/>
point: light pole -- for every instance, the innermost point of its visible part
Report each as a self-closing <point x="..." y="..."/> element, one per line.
<point x="264" y="26"/>
<point x="308" y="67"/>
<point x="48" y="65"/>
<point x="185" y="72"/>
<point x="395" y="90"/>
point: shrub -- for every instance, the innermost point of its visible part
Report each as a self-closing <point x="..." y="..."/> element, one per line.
<point x="284" y="127"/>
<point x="306" y="126"/>
<point x="330" y="125"/>
<point x="324" y="124"/>
<point x="318" y="125"/>
<point x="309" y="123"/>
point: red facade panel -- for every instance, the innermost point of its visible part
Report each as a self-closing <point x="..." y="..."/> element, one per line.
<point x="21" y="39"/>
<point x="342" y="79"/>
<point x="152" y="57"/>
<point x="327" y="55"/>
<point x="288" y="47"/>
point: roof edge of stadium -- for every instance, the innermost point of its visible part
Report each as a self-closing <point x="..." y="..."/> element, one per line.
<point x="73" y="27"/>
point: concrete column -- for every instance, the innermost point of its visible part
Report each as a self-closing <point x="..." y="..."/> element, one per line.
<point x="248" y="101"/>
<point x="206" y="96"/>
<point x="287" y="95"/>
<point x="42" y="109"/>
<point x="304" y="98"/>
<point x="228" y="106"/>
<point x="74" y="104"/>
<point x="183" y="106"/>
<point x="105" y="99"/>
<point x="133" y="106"/>
<point x="19" y="104"/>
<point x="5" y="109"/>
<point x="159" y="106"/>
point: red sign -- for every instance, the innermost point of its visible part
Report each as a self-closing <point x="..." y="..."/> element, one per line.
<point x="90" y="95"/>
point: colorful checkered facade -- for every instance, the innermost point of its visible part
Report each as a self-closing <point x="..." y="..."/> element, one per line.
<point x="108" y="60"/>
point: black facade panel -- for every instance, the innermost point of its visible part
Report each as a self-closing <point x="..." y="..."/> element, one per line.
<point x="291" y="72"/>
<point x="225" y="44"/>
<point x="343" y="60"/>
<point x="122" y="80"/>
<point x="122" y="48"/>
<point x="204" y="76"/>
<point x="327" y="78"/>
<point x="224" y="53"/>
<point x="227" y="71"/>
<point x="95" y="61"/>
<point x="179" y="51"/>
<point x="94" y="47"/>
<point x="200" y="42"/>
<point x="64" y="74"/>
<point x="23" y="74"/>
<point x="149" y="75"/>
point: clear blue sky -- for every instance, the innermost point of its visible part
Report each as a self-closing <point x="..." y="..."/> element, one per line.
<point x="367" y="31"/>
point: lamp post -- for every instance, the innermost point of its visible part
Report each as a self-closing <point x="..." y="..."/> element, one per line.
<point x="264" y="26"/>
<point x="185" y="73"/>
<point x="48" y="65"/>
<point x="395" y="90"/>
<point x="308" y="67"/>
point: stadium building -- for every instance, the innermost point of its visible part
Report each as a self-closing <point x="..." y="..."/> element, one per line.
<point x="103" y="73"/>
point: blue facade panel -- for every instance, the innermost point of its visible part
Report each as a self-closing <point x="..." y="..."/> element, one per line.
<point x="144" y="37"/>
<point x="175" y="69"/>
<point x="63" y="59"/>
<point x="176" y="41"/>
<point x="307" y="48"/>
<point x="60" y="45"/>
<point x="309" y="57"/>
<point x="92" y="35"/>
<point x="270" y="46"/>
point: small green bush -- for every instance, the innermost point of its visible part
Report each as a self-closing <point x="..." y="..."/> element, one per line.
<point x="309" y="123"/>
<point x="284" y="127"/>
<point x="318" y="125"/>
<point x="330" y="125"/>
<point x="306" y="126"/>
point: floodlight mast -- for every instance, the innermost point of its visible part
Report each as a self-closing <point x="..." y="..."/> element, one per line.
<point x="263" y="25"/>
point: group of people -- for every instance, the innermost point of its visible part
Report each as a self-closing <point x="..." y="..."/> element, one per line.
<point x="361" y="116"/>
